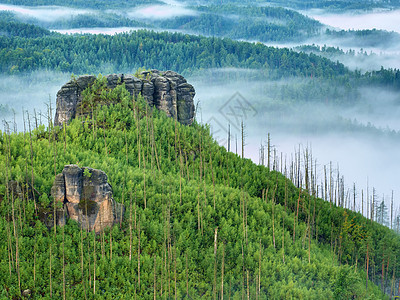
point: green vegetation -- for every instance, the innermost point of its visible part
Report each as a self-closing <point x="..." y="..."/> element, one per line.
<point x="366" y="38"/>
<point x="93" y="20"/>
<point x="253" y="23"/>
<point x="338" y="5"/>
<point x="296" y="4"/>
<point x="200" y="221"/>
<point x="95" y="4"/>
<point x="182" y="53"/>
<point x="127" y="51"/>
<point x="10" y="27"/>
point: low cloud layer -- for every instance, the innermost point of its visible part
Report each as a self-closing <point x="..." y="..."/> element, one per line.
<point x="97" y="30"/>
<point x="44" y="13"/>
<point x="30" y="92"/>
<point x="346" y="136"/>
<point x="161" y="11"/>
<point x="385" y="20"/>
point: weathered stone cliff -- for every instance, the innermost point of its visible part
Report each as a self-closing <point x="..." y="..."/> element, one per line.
<point x="167" y="91"/>
<point x="87" y="198"/>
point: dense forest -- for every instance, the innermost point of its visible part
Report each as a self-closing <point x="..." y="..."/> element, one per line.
<point x="99" y="4"/>
<point x="200" y="222"/>
<point x="184" y="53"/>
<point x="338" y="5"/>
<point x="251" y="22"/>
<point x="254" y="23"/>
<point x="296" y="4"/>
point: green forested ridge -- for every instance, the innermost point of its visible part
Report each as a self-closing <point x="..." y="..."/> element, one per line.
<point x="184" y="53"/>
<point x="367" y="38"/>
<point x="251" y="22"/>
<point x="99" y="4"/>
<point x="95" y="20"/>
<point x="31" y="27"/>
<point x="297" y="4"/>
<point x="199" y="222"/>
<point x="10" y="26"/>
<point x="339" y="5"/>
<point x="127" y="51"/>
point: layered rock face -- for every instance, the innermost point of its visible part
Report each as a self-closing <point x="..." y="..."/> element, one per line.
<point x="167" y="91"/>
<point x="87" y="198"/>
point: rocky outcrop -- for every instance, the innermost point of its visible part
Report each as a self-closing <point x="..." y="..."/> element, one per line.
<point x="87" y="198"/>
<point x="167" y="91"/>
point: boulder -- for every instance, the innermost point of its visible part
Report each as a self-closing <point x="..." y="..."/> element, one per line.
<point x="87" y="198"/>
<point x="167" y="91"/>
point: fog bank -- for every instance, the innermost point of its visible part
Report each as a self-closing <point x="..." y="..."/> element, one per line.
<point x="44" y="13"/>
<point x="385" y="20"/>
<point x="30" y="92"/>
<point x="357" y="138"/>
<point x="170" y="10"/>
<point x="98" y="30"/>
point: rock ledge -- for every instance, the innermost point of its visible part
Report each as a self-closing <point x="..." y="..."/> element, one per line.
<point x="168" y="91"/>
<point x="87" y="198"/>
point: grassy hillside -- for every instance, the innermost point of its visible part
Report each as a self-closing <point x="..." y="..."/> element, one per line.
<point x="200" y="222"/>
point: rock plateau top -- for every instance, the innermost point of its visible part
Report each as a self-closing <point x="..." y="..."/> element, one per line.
<point x="167" y="91"/>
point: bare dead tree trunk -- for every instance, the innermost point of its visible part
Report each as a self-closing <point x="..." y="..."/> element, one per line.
<point x="243" y="138"/>
<point x="187" y="276"/>
<point x="297" y="216"/>
<point x="138" y="135"/>
<point x="111" y="248"/>
<point x="34" y="262"/>
<point x="155" y="282"/>
<point x="139" y="254"/>
<point x="212" y="176"/>
<point x="368" y="269"/>
<point x="273" y="216"/>
<point x="144" y="181"/>
<point x="283" y="225"/>
<point x="63" y="264"/>
<point x="215" y="263"/>
<point x="259" y="270"/>
<point x="94" y="264"/>
<point x="82" y="273"/>
<point x="391" y="212"/>
<point x="51" y="289"/>
<point x="222" y="271"/>
<point x="175" y="289"/>
<point x="269" y="152"/>
<point x="248" y="286"/>
<point x="130" y="228"/>
<point x="362" y="202"/>
<point x="33" y="177"/>
<point x="229" y="137"/>
<point x="243" y="274"/>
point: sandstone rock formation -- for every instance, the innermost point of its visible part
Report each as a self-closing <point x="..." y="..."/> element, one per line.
<point x="87" y="198"/>
<point x="167" y="91"/>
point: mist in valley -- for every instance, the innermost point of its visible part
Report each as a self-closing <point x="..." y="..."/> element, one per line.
<point x="50" y="16"/>
<point x="169" y="9"/>
<point x="360" y="140"/>
<point x="45" y="14"/>
<point x="356" y="53"/>
<point x="358" y="20"/>
<point x="29" y="93"/>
